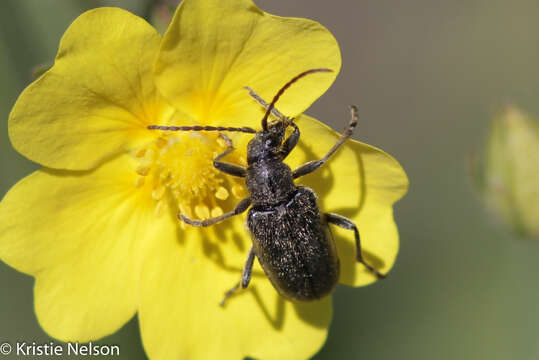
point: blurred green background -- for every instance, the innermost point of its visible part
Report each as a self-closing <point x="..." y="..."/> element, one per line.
<point x="427" y="77"/>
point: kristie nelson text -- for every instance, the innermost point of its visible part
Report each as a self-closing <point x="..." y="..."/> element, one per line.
<point x="52" y="349"/>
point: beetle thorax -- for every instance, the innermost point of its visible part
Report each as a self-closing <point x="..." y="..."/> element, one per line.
<point x="270" y="182"/>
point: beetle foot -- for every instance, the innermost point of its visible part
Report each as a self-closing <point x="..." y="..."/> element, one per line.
<point x="375" y="272"/>
<point x="228" y="294"/>
<point x="189" y="221"/>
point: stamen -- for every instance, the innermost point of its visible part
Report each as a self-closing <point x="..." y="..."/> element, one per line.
<point x="143" y="170"/>
<point x="202" y="211"/>
<point x="216" y="211"/>
<point x="141" y="153"/>
<point x="158" y="193"/>
<point x="161" y="142"/>
<point x="184" y="210"/>
<point x="221" y="193"/>
<point x="238" y="191"/>
<point x="179" y="167"/>
<point x="149" y="155"/>
<point x="139" y="182"/>
<point x="159" y="208"/>
<point x="165" y="177"/>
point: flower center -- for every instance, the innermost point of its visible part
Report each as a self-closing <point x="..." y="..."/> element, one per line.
<point x="179" y="167"/>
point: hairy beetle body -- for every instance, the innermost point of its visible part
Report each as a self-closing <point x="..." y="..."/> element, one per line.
<point x="297" y="254"/>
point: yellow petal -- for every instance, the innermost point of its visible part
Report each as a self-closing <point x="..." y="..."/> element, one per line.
<point x="80" y="235"/>
<point x="362" y="183"/>
<point x="214" y="48"/>
<point x="97" y="98"/>
<point x="183" y="283"/>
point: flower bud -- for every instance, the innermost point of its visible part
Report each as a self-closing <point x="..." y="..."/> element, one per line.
<point x="508" y="179"/>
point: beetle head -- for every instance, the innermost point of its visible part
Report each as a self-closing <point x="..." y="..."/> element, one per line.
<point x="267" y="143"/>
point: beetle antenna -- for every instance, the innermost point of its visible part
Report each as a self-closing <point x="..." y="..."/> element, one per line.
<point x="202" y="128"/>
<point x="283" y="89"/>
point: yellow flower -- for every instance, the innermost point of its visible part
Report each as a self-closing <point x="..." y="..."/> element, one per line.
<point x="97" y="225"/>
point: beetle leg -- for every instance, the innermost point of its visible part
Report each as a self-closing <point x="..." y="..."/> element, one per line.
<point x="311" y="166"/>
<point x="345" y="223"/>
<point x="245" y="277"/>
<point x="241" y="207"/>
<point x="228" y="168"/>
<point x="290" y="141"/>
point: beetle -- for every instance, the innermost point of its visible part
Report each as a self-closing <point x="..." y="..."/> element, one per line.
<point x="290" y="236"/>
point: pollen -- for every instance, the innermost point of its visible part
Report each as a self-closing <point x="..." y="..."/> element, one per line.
<point x="202" y="211"/>
<point x="143" y="170"/>
<point x="221" y="193"/>
<point x="177" y="169"/>
<point x="158" y="192"/>
<point x="140" y="153"/>
<point x="239" y="191"/>
<point x="216" y="211"/>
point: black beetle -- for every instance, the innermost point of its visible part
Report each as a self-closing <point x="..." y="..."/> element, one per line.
<point x="291" y="239"/>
